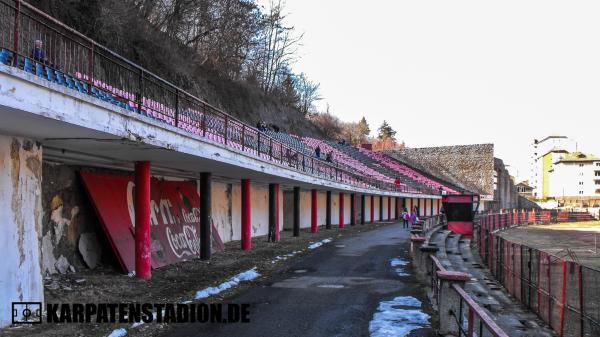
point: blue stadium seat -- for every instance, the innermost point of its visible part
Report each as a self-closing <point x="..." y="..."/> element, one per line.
<point x="28" y="65"/>
<point x="60" y="79"/>
<point x="70" y="81"/>
<point x="49" y="74"/>
<point x="39" y="69"/>
<point x="5" y="56"/>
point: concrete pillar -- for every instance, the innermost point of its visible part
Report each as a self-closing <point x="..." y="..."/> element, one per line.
<point x="273" y="213"/>
<point x="20" y="224"/>
<point x="424" y="264"/>
<point x="381" y="208"/>
<point x="313" y="211"/>
<point x="246" y="215"/>
<point x="328" y="211"/>
<point x="296" y="211"/>
<point x="416" y="242"/>
<point x="205" y="214"/>
<point x="341" y="209"/>
<point x="352" y="209"/>
<point x="372" y="209"/>
<point x="363" y="207"/>
<point x="431" y="207"/>
<point x="143" y="255"/>
<point x="448" y="301"/>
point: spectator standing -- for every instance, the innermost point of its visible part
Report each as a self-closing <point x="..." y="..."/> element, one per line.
<point x="318" y="152"/>
<point x="414" y="217"/>
<point x="37" y="53"/>
<point x="405" y="218"/>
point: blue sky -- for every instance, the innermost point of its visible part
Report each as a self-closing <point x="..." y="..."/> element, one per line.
<point x="458" y="72"/>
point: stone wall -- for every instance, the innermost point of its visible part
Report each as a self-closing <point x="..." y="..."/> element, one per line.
<point x="469" y="167"/>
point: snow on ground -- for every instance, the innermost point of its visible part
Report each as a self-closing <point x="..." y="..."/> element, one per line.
<point x="118" y="333"/>
<point x="398" y="317"/>
<point x="319" y="243"/>
<point x="397" y="262"/>
<point x="232" y="282"/>
<point x="285" y="257"/>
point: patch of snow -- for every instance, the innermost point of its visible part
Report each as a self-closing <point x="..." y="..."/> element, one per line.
<point x="393" y="320"/>
<point x="136" y="324"/>
<point x="118" y="333"/>
<point x="232" y="282"/>
<point x="397" y="262"/>
<point x="335" y="286"/>
<point x="319" y="243"/>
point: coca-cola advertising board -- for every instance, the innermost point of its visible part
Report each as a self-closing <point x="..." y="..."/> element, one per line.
<point x="174" y="217"/>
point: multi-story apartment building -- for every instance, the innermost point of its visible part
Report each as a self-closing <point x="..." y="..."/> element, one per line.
<point x="544" y="154"/>
<point x="575" y="176"/>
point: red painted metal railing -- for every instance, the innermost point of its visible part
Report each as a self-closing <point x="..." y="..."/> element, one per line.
<point x="471" y="319"/>
<point x="563" y="292"/>
<point x="78" y="62"/>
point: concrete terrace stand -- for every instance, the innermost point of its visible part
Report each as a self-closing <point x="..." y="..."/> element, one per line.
<point x="71" y="128"/>
<point x="465" y="296"/>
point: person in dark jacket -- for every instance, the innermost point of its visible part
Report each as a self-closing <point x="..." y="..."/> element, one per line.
<point x="318" y="152"/>
<point x="37" y="53"/>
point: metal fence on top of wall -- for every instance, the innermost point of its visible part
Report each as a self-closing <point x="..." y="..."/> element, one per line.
<point x="71" y="59"/>
<point x="562" y="292"/>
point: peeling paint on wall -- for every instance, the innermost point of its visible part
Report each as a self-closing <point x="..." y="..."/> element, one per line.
<point x="20" y="223"/>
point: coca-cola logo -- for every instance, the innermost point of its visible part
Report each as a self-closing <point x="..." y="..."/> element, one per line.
<point x="184" y="243"/>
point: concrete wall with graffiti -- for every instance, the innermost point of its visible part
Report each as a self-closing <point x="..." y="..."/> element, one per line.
<point x="73" y="238"/>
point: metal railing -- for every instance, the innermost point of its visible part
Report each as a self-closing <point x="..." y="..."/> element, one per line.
<point x="561" y="291"/>
<point x="470" y="319"/>
<point x="76" y="61"/>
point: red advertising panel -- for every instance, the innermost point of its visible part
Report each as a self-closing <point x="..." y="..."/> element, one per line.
<point x="174" y="218"/>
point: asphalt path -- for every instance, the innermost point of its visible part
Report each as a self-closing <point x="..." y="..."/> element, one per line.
<point x="335" y="290"/>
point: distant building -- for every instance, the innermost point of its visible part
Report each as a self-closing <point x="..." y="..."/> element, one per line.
<point x="575" y="178"/>
<point x="524" y="189"/>
<point x="544" y="153"/>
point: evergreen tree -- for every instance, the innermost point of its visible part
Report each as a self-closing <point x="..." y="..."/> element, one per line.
<point x="386" y="131"/>
<point x="363" y="129"/>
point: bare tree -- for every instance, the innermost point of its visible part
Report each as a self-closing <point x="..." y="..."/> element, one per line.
<point x="308" y="94"/>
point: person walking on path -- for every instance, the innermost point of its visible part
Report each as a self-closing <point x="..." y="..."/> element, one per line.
<point x="405" y="218"/>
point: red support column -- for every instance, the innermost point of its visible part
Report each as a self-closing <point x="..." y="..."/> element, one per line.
<point x="372" y="209"/>
<point x="341" y="224"/>
<point x="277" y="231"/>
<point x="389" y="208"/>
<point x="246" y="216"/>
<point x="313" y="211"/>
<point x="143" y="260"/>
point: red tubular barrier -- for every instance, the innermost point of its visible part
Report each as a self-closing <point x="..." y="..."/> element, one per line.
<point x="246" y="215"/>
<point x="143" y="255"/>
<point x="313" y="211"/>
<point x="341" y="223"/>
